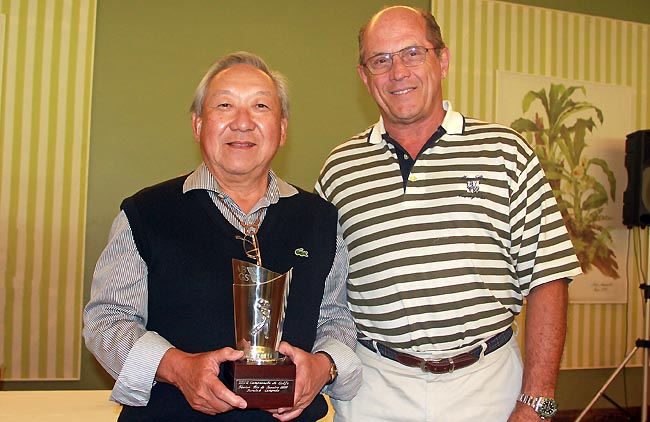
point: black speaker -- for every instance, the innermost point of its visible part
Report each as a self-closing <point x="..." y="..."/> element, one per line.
<point x="636" y="199"/>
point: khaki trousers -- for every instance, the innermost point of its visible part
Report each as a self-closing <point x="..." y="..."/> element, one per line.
<point x="485" y="391"/>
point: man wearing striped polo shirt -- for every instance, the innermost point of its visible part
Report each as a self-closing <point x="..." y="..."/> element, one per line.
<point x="450" y="224"/>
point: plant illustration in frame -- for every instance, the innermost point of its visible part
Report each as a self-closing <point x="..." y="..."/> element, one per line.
<point x="559" y="139"/>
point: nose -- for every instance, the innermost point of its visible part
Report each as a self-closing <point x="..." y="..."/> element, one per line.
<point x="399" y="70"/>
<point x="242" y="121"/>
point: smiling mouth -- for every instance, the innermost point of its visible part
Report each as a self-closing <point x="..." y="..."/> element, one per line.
<point x="402" y="92"/>
<point x="241" y="144"/>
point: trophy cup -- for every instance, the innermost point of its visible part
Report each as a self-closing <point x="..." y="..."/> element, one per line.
<point x="262" y="377"/>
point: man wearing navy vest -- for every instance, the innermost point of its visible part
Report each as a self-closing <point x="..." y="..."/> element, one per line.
<point x="160" y="316"/>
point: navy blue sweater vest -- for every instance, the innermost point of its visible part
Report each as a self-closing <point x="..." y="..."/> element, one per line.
<point x="188" y="247"/>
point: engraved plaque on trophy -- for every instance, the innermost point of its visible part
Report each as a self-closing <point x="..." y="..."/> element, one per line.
<point x="262" y="377"/>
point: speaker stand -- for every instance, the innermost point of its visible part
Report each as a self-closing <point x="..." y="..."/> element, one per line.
<point x="643" y="343"/>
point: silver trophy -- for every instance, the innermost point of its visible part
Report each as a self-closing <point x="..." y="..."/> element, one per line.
<point x="262" y="377"/>
<point x="260" y="300"/>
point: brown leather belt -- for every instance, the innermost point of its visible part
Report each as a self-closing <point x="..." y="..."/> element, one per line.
<point x="440" y="366"/>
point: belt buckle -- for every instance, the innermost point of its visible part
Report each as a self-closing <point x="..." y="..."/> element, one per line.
<point x="423" y="365"/>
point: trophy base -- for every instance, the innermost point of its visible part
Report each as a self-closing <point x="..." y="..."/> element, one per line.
<point x="262" y="386"/>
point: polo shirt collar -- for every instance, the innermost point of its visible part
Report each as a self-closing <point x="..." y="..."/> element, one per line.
<point x="453" y="124"/>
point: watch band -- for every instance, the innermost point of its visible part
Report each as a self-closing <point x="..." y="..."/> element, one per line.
<point x="527" y="400"/>
<point x="545" y="407"/>
<point x="333" y="370"/>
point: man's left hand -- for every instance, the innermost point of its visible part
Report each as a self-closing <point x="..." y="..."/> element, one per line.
<point x="312" y="372"/>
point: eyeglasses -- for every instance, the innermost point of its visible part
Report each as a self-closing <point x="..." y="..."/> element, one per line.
<point x="252" y="247"/>
<point x="410" y="56"/>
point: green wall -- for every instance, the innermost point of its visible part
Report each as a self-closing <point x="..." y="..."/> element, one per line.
<point x="149" y="56"/>
<point x="629" y="10"/>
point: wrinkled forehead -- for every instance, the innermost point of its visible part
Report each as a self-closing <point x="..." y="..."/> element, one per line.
<point x="243" y="79"/>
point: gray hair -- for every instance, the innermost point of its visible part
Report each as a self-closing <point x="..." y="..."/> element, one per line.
<point x="433" y="33"/>
<point x="241" y="57"/>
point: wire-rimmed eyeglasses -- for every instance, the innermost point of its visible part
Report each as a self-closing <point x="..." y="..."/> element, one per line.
<point x="252" y="247"/>
<point x="411" y="56"/>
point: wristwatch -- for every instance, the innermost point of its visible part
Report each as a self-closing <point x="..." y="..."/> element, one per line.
<point x="545" y="407"/>
<point x="333" y="371"/>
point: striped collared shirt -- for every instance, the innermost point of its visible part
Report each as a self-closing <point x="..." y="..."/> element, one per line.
<point x="442" y="262"/>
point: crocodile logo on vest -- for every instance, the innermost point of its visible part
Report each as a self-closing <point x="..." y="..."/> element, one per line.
<point x="301" y="253"/>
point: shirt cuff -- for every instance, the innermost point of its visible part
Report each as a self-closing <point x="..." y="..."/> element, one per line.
<point x="348" y="365"/>
<point x="136" y="379"/>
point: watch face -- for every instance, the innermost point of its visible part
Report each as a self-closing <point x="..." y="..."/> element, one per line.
<point x="546" y="408"/>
